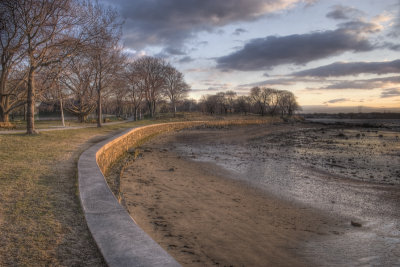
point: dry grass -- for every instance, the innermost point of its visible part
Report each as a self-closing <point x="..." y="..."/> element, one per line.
<point x="41" y="222"/>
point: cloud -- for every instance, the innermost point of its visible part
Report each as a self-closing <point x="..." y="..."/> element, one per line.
<point x="239" y="31"/>
<point x="171" y="22"/>
<point x="340" y="12"/>
<point x="337" y="100"/>
<point x="268" y="52"/>
<point x="395" y="30"/>
<point x="391" y="92"/>
<point x="331" y="84"/>
<point x="391" y="46"/>
<point x="174" y="51"/>
<point x="352" y="68"/>
<point x="186" y="59"/>
<point x="365" y="84"/>
<point x="271" y="82"/>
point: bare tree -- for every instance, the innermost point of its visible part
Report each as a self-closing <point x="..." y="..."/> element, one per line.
<point x="243" y="104"/>
<point x="287" y="103"/>
<point x="176" y="89"/>
<point x="77" y="82"/>
<point x="12" y="77"/>
<point x="136" y="86"/>
<point x="230" y="99"/>
<point x="151" y="72"/>
<point x="271" y="97"/>
<point x="210" y="103"/>
<point x="50" y="37"/>
<point x="258" y="99"/>
<point x="106" y="56"/>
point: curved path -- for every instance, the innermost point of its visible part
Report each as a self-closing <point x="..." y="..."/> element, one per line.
<point x="121" y="241"/>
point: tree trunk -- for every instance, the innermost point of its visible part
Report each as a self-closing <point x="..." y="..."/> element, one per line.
<point x="4" y="116"/>
<point x="135" y="114"/>
<point x="62" y="112"/>
<point x="174" y="110"/>
<point x="30" y="114"/>
<point x="4" y="108"/>
<point x="150" y="104"/>
<point x="25" y="111"/>
<point x="82" y="118"/>
<point x="99" y="115"/>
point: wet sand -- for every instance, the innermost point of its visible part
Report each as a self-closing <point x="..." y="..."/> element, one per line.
<point x="226" y="197"/>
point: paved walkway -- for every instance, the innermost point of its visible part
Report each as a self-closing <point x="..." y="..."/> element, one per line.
<point x="120" y="240"/>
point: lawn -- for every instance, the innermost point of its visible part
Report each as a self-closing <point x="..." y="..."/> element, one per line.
<point x="41" y="222"/>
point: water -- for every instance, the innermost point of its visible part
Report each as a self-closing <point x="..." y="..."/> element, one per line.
<point x="374" y="205"/>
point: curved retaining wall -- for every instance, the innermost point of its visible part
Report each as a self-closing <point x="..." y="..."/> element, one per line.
<point x="120" y="240"/>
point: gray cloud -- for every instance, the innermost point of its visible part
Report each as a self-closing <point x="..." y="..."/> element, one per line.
<point x="265" y="53"/>
<point x="332" y="84"/>
<point x="171" y="22"/>
<point x="186" y="59"/>
<point x="353" y="68"/>
<point x="395" y="31"/>
<point x="277" y="81"/>
<point x="391" y="46"/>
<point x="392" y="92"/>
<point x="365" y="84"/>
<point x="337" y="100"/>
<point x="239" y="31"/>
<point x="340" y="12"/>
<point x="174" y="51"/>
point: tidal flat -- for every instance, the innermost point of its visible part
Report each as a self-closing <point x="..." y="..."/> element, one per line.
<point x="282" y="195"/>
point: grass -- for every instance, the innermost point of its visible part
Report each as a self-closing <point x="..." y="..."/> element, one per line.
<point x="41" y="222"/>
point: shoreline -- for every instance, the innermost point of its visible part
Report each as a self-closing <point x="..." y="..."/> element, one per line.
<point x="201" y="214"/>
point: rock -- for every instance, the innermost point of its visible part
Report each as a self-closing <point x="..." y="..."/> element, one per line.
<point x="131" y="150"/>
<point x="355" y="224"/>
<point x="171" y="169"/>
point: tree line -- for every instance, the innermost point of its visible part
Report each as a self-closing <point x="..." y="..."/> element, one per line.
<point x="69" y="51"/>
<point x="260" y="100"/>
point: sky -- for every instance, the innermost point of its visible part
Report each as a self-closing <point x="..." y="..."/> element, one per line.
<point x="329" y="53"/>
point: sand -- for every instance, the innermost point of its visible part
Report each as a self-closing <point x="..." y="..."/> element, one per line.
<point x="272" y="195"/>
<point x="203" y="218"/>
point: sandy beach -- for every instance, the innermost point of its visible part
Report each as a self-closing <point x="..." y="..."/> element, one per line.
<point x="271" y="195"/>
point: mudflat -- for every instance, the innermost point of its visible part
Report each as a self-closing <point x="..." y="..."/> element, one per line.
<point x="201" y="195"/>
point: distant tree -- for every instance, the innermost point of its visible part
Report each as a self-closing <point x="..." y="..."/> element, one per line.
<point x="176" y="89"/>
<point x="105" y="32"/>
<point x="151" y="72"/>
<point x="77" y="82"/>
<point x="243" y="104"/>
<point x="230" y="99"/>
<point x="258" y="99"/>
<point x="210" y="103"/>
<point x="189" y="105"/>
<point x="287" y="103"/>
<point x="135" y="85"/>
<point x="271" y="97"/>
